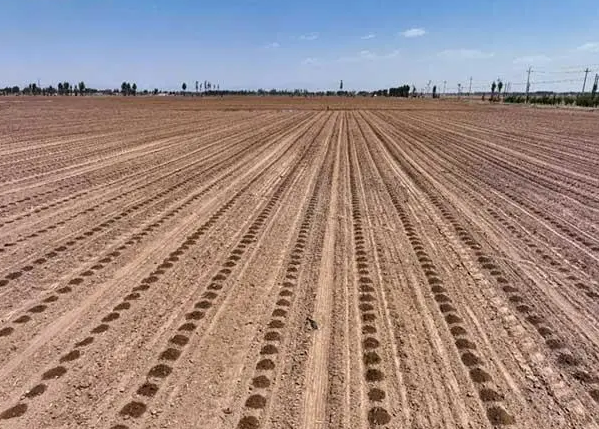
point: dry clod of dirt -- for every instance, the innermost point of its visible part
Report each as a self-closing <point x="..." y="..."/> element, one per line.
<point x="312" y="323"/>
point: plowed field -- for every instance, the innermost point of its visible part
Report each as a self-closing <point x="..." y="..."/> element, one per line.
<point x="273" y="263"/>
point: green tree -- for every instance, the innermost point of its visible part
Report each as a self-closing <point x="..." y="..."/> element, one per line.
<point x="499" y="87"/>
<point x="493" y="87"/>
<point x="81" y="87"/>
<point x="60" y="90"/>
<point x="184" y="87"/>
<point x="124" y="89"/>
<point x="134" y="88"/>
<point x="66" y="88"/>
<point x="435" y="91"/>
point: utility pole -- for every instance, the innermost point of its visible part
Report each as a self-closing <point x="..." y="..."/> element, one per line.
<point x="528" y="83"/>
<point x="444" y="85"/>
<point x="470" y="88"/>
<point x="584" y="84"/>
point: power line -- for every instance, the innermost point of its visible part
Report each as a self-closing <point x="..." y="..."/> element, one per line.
<point x="528" y="84"/>
<point x="567" y="69"/>
<point x="546" y="82"/>
<point x="563" y="72"/>
<point x="534" y="82"/>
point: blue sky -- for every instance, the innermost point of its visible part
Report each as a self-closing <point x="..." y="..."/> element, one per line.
<point x="298" y="44"/>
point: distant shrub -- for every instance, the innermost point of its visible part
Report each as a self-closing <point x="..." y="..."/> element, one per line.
<point x="587" y="100"/>
<point x="545" y="99"/>
<point x="514" y="99"/>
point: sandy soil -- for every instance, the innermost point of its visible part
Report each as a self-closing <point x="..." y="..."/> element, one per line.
<point x="268" y="263"/>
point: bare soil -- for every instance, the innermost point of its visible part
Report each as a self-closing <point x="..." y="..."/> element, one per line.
<point x="297" y="263"/>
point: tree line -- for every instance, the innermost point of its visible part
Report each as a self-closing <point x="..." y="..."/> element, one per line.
<point x="404" y="91"/>
<point x="66" y="88"/>
<point x="126" y="89"/>
<point x="63" y="88"/>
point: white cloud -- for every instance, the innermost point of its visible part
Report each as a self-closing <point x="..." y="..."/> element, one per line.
<point x="589" y="47"/>
<point x="467" y="54"/>
<point x="414" y="32"/>
<point x="309" y="36"/>
<point x="309" y="61"/>
<point x="532" y="59"/>
<point x="273" y="45"/>
<point x="368" y="36"/>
